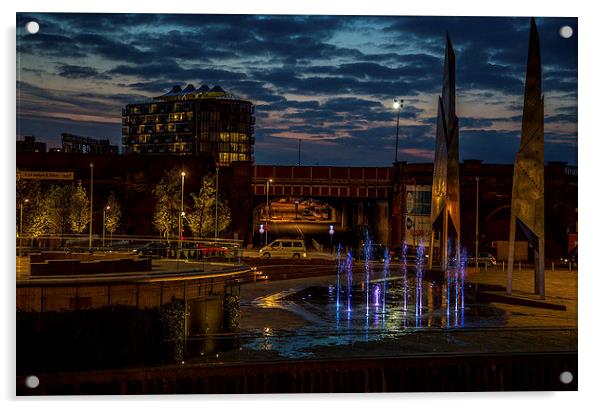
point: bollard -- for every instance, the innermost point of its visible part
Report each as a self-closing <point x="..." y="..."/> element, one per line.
<point x="552" y="266"/>
<point x="520" y="267"/>
<point x="503" y="266"/>
<point x="570" y="269"/>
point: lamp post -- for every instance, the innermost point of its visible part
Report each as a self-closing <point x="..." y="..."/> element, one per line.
<point x="476" y="252"/>
<point x="397" y="105"/>
<point x="21" y="224"/>
<point x="183" y="174"/>
<point x="267" y="208"/>
<point x="296" y="209"/>
<point x="216" y="198"/>
<point x="91" y="201"/>
<point x="104" y="224"/>
<point x="331" y="233"/>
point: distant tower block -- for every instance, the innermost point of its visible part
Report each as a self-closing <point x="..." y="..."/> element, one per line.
<point x="527" y="208"/>
<point x="445" y="206"/>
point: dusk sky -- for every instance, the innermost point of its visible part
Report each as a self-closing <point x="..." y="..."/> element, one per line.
<point x="327" y="80"/>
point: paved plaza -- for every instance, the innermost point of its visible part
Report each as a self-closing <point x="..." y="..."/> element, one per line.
<point x="525" y="329"/>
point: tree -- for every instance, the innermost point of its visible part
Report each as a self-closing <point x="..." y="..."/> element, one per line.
<point x="224" y="217"/>
<point x="167" y="192"/>
<point x="58" y="202"/>
<point x="79" y="209"/>
<point x="113" y="214"/>
<point x="36" y="215"/>
<point x="28" y="195"/>
<point x="202" y="217"/>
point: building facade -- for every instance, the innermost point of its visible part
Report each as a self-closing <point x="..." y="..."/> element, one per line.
<point x="81" y="144"/>
<point x="191" y="122"/>
<point x="29" y="145"/>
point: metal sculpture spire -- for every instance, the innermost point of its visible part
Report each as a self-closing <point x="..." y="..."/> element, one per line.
<point x="527" y="207"/>
<point x="445" y="204"/>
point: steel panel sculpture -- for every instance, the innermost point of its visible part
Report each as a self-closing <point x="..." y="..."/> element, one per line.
<point x="527" y="207"/>
<point x="445" y="205"/>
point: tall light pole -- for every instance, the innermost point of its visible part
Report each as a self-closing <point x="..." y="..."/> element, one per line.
<point x="21" y="224"/>
<point x="415" y="212"/>
<point x="267" y="208"/>
<point x="104" y="224"/>
<point x="397" y="105"/>
<point x="216" y="198"/>
<point x="476" y="251"/>
<point x="91" y="201"/>
<point x="299" y="161"/>
<point x="183" y="174"/>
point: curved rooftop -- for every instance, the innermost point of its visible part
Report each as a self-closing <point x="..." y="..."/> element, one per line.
<point x="190" y="92"/>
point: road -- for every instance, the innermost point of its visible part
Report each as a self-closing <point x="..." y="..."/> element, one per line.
<point x="298" y="229"/>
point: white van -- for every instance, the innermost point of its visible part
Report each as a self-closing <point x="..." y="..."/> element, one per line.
<point x="284" y="248"/>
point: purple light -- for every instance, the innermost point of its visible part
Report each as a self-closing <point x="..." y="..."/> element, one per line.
<point x="377" y="295"/>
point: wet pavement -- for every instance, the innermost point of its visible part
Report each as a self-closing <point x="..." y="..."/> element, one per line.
<point x="300" y="318"/>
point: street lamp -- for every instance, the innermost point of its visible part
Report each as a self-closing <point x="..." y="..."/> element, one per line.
<point x="476" y="253"/>
<point x="331" y="233"/>
<point x="267" y="208"/>
<point x="21" y="223"/>
<point x="104" y="225"/>
<point x="216" y="197"/>
<point x="91" y="200"/>
<point x="397" y="105"/>
<point x="181" y="213"/>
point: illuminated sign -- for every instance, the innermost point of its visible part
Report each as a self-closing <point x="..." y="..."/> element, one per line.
<point x="42" y="175"/>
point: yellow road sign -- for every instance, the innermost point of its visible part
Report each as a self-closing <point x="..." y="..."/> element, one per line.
<point x="43" y="175"/>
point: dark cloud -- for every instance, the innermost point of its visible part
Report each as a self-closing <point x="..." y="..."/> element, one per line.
<point x="79" y="72"/>
<point x="173" y="70"/>
<point x="54" y="45"/>
<point x="306" y="75"/>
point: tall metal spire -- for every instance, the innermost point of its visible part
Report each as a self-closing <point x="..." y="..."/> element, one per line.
<point x="527" y="207"/>
<point x="445" y="202"/>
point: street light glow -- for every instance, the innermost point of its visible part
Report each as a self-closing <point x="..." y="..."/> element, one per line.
<point x="396" y="104"/>
<point x="183" y="173"/>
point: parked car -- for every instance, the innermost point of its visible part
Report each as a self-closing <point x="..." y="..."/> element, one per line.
<point x="570" y="257"/>
<point x="484" y="258"/>
<point x="411" y="255"/>
<point x="377" y="253"/>
<point x="153" y="248"/>
<point x="212" y="250"/>
<point x="284" y="248"/>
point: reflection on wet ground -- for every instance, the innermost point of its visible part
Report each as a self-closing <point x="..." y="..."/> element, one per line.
<point x="383" y="308"/>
